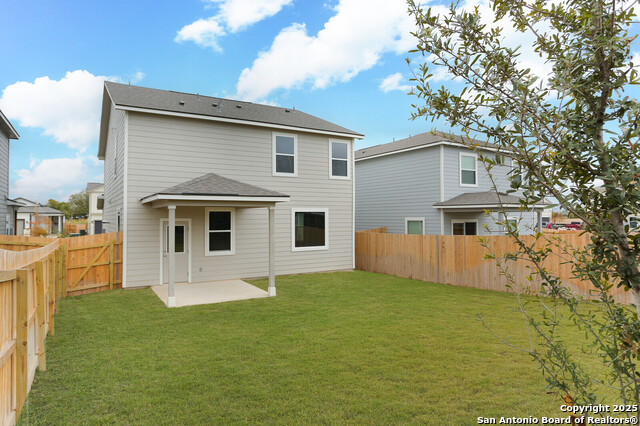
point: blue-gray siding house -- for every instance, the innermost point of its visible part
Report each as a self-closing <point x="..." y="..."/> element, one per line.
<point x="432" y="184"/>
<point x="7" y="213"/>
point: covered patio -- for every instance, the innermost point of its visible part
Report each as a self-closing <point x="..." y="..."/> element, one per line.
<point x="189" y="294"/>
<point x="478" y="203"/>
<point x="213" y="191"/>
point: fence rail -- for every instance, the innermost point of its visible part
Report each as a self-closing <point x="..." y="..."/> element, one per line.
<point x="29" y="295"/>
<point x="94" y="262"/>
<point x="459" y="260"/>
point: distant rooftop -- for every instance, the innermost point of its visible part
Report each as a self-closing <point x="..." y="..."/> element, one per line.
<point x="419" y="141"/>
<point x="93" y="185"/>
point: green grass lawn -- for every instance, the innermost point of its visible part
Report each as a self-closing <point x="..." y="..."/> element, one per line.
<point x="347" y="347"/>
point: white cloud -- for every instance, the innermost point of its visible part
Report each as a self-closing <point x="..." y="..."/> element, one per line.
<point x="67" y="109"/>
<point x="51" y="178"/>
<point x="353" y="40"/>
<point x="233" y="16"/>
<point x="392" y="82"/>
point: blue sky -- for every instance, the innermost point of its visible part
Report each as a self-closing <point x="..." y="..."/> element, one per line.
<point x="342" y="60"/>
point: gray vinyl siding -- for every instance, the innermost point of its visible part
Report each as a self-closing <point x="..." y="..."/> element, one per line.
<point x="164" y="151"/>
<point x="452" y="187"/>
<point x="393" y="187"/>
<point x="114" y="183"/>
<point x="4" y="181"/>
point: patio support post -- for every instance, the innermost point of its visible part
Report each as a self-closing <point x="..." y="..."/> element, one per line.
<point x="272" y="257"/>
<point x="171" y="299"/>
<point x="539" y="217"/>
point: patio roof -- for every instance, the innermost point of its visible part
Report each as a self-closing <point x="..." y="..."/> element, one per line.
<point x="213" y="187"/>
<point x="488" y="200"/>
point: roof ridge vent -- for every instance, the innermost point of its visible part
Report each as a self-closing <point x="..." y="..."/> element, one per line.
<point x="197" y="96"/>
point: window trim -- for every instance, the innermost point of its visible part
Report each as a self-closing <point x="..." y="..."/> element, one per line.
<point x="348" y="160"/>
<point x="293" y="228"/>
<point x="475" y="162"/>
<point x="207" y="210"/>
<point x="413" y="219"/>
<point x="465" y="221"/>
<point x="509" y="218"/>
<point x="274" y="136"/>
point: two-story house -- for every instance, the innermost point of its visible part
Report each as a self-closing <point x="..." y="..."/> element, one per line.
<point x="7" y="132"/>
<point x="432" y="184"/>
<point x="207" y="189"/>
<point x="94" y="192"/>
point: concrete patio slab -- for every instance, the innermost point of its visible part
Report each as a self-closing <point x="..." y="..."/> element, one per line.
<point x="188" y="294"/>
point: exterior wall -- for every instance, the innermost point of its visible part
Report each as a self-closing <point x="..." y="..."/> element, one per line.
<point x="393" y="187"/>
<point x="114" y="182"/>
<point x="164" y="151"/>
<point x="487" y="224"/>
<point x="452" y="187"/>
<point x="406" y="185"/>
<point x="94" y="212"/>
<point x="4" y="182"/>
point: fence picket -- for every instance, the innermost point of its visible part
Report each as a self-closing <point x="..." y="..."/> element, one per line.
<point x="459" y="260"/>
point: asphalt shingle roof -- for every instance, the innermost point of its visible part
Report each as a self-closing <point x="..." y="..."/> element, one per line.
<point x="44" y="210"/>
<point x="213" y="184"/>
<point x="143" y="97"/>
<point x="486" y="198"/>
<point x="423" y="139"/>
<point x="92" y="185"/>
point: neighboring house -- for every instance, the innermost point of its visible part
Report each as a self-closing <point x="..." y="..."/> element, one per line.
<point x="7" y="132"/>
<point x="432" y="184"/>
<point x="30" y="215"/>
<point x="231" y="179"/>
<point x="96" y="202"/>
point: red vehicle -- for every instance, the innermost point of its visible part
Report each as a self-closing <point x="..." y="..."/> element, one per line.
<point x="574" y="225"/>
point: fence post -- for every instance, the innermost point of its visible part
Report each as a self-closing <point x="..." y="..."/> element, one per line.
<point x="65" y="254"/>
<point x="112" y="265"/>
<point x="58" y="277"/>
<point x="22" y="336"/>
<point x="52" y="289"/>
<point x="41" y="324"/>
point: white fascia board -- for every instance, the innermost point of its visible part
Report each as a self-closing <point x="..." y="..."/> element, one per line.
<point x="456" y="144"/>
<point x="235" y="121"/>
<point x="486" y="206"/>
<point x="177" y="197"/>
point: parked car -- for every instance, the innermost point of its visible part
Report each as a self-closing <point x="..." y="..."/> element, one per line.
<point x="574" y="225"/>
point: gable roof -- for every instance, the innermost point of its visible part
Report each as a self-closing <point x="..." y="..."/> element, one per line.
<point x="213" y="185"/>
<point x="41" y="209"/>
<point x="422" y="140"/>
<point x="93" y="185"/>
<point x="7" y="127"/>
<point x="144" y="99"/>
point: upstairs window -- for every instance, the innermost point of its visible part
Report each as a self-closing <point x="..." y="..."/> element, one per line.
<point x="468" y="170"/>
<point x="285" y="154"/>
<point x="339" y="160"/>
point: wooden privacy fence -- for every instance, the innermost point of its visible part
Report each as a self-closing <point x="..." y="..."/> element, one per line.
<point x="459" y="260"/>
<point x="30" y="289"/>
<point x="94" y="262"/>
<point x="74" y="228"/>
